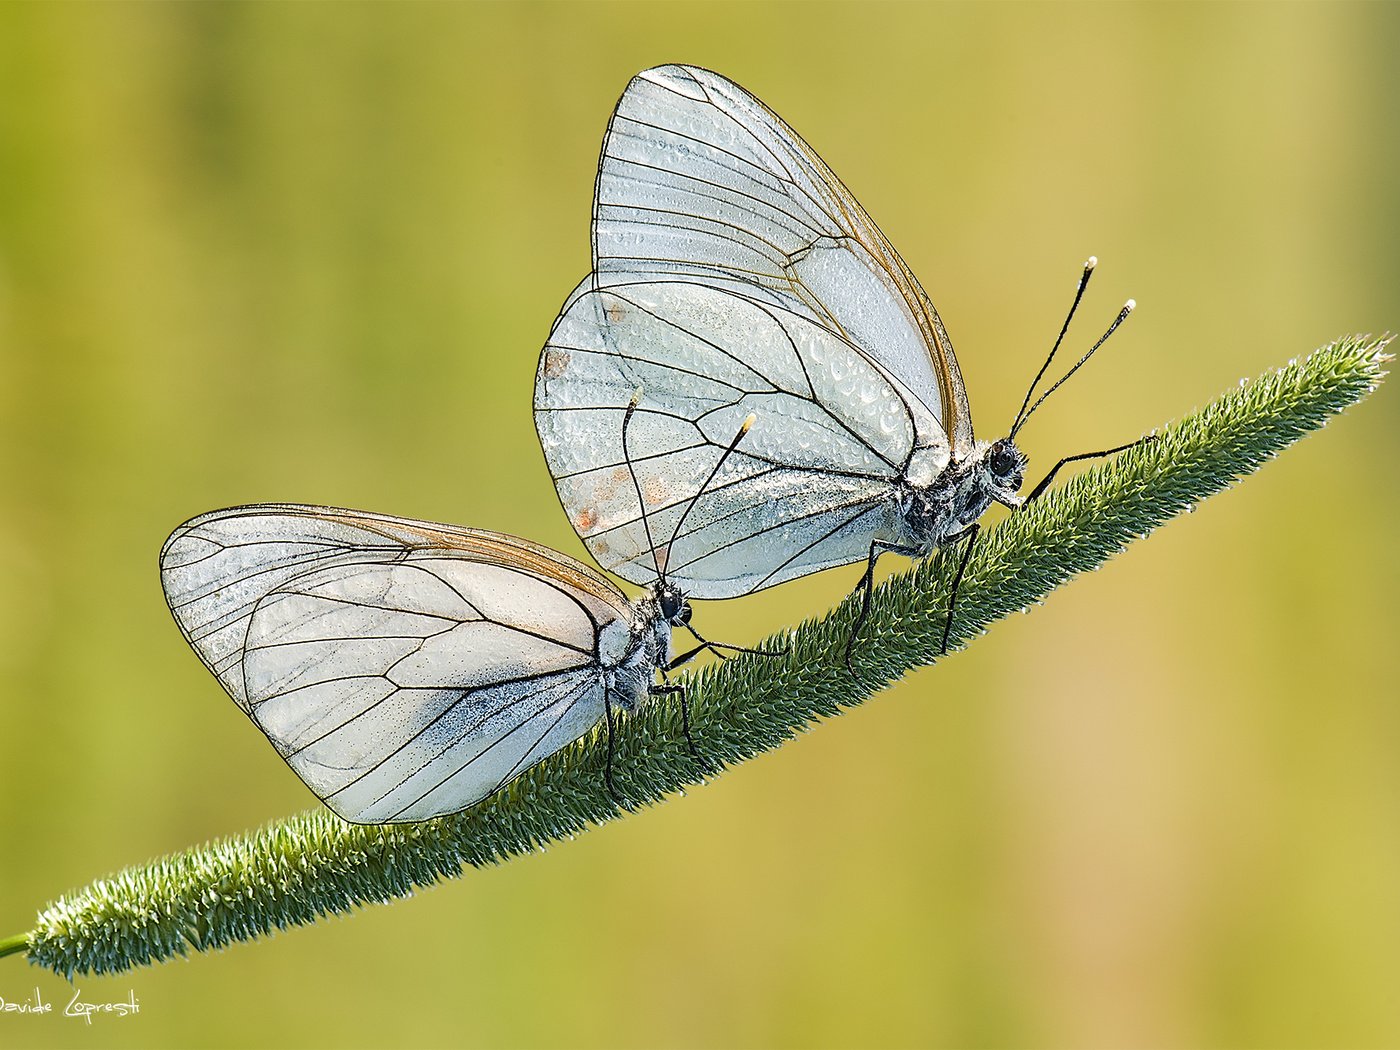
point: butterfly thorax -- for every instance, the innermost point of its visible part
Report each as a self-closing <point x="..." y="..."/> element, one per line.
<point x="631" y="653"/>
<point x="931" y="515"/>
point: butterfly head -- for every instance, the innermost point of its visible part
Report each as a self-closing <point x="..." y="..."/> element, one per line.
<point x="672" y="606"/>
<point x="1002" y="470"/>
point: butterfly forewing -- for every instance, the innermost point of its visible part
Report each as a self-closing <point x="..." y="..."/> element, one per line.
<point x="403" y="669"/>
<point x="700" y="178"/>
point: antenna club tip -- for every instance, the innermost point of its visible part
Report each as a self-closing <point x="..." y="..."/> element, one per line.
<point x="749" y="421"/>
<point x="1130" y="305"/>
<point x="1091" y="262"/>
<point x="636" y="398"/>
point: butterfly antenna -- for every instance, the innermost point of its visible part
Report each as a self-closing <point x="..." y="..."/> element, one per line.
<point x="743" y="429"/>
<point x="1078" y="295"/>
<point x="637" y="485"/>
<point x="705" y="643"/>
<point x="1128" y="308"/>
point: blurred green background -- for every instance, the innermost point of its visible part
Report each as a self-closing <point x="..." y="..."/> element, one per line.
<point x="310" y="253"/>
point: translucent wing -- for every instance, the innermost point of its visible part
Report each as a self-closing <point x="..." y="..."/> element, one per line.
<point x="403" y="669"/>
<point x="808" y="486"/>
<point x="700" y="178"/>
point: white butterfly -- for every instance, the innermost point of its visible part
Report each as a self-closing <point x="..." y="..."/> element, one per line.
<point x="733" y="274"/>
<point x="405" y="669"/>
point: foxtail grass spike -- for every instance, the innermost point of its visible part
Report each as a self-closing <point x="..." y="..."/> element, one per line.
<point x="296" y="870"/>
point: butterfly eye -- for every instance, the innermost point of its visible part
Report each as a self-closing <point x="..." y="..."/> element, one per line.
<point x="673" y="606"/>
<point x="1003" y="461"/>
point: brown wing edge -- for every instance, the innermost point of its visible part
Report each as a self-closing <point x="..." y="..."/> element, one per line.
<point x="493" y="548"/>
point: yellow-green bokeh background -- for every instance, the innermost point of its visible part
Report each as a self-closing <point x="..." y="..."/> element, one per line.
<point x="310" y="252"/>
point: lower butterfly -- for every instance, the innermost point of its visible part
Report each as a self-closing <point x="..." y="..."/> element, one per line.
<point x="404" y="669"/>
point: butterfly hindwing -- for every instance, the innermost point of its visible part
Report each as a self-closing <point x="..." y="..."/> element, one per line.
<point x="806" y="487"/>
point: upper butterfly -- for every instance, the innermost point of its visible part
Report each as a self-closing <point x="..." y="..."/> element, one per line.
<point x="406" y="669"/>
<point x="733" y="273"/>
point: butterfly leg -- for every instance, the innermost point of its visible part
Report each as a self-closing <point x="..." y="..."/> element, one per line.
<point x="666" y="688"/>
<point x="607" y="769"/>
<point x="970" y="533"/>
<point x="866" y="586"/>
<point x="686" y="657"/>
<point x="1045" y="482"/>
<point x="715" y="647"/>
